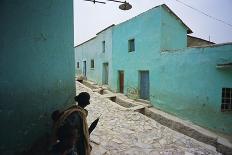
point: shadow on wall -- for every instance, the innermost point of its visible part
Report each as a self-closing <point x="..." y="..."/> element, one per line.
<point x="39" y="147"/>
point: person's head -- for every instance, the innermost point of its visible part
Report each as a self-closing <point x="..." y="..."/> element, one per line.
<point x="82" y="99"/>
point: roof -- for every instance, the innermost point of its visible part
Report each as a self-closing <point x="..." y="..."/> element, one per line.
<point x="95" y="36"/>
<point x="172" y="13"/>
<point x="200" y="39"/>
<point x="163" y="5"/>
<point x="105" y="29"/>
<point x="195" y="41"/>
<point x="85" y="42"/>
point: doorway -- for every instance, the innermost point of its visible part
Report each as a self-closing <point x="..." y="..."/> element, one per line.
<point x="84" y="68"/>
<point x="121" y="81"/>
<point x="144" y="85"/>
<point x="105" y="73"/>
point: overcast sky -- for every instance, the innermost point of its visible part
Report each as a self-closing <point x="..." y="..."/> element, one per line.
<point x="91" y="18"/>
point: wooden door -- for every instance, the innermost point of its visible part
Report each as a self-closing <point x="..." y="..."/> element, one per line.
<point x="121" y="81"/>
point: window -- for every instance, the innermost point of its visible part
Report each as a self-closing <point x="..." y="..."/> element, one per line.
<point x="103" y="46"/>
<point x="131" y="45"/>
<point x="92" y="64"/>
<point x="78" y="65"/>
<point x="226" y="99"/>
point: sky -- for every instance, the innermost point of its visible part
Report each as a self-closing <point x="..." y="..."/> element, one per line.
<point x="91" y="18"/>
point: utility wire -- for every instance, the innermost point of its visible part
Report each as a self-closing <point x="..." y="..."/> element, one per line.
<point x="228" y="24"/>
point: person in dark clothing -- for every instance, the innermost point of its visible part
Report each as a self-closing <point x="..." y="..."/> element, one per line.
<point x="70" y="128"/>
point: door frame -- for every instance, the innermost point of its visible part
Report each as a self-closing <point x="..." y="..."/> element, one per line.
<point x="121" y="87"/>
<point x="147" y="97"/>
<point x="105" y="74"/>
<point x="84" y="71"/>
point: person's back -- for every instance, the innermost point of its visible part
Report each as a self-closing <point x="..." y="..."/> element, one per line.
<point x="70" y="135"/>
<point x="71" y="128"/>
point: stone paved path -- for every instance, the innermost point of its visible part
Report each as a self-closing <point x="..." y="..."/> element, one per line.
<point x="121" y="131"/>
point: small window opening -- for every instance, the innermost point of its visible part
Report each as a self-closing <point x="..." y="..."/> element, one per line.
<point x="103" y="46"/>
<point x="131" y="45"/>
<point x="78" y="65"/>
<point x="92" y="64"/>
<point x="226" y="99"/>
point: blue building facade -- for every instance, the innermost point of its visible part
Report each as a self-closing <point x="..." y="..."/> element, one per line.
<point x="96" y="64"/>
<point x="151" y="61"/>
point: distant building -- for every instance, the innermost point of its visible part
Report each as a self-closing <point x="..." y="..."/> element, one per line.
<point x="194" y="41"/>
<point x="150" y="57"/>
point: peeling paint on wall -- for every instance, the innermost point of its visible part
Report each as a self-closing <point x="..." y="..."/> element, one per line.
<point x="132" y="92"/>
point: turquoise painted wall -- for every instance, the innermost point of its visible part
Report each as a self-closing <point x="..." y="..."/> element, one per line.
<point x="145" y="29"/>
<point x="173" y="33"/>
<point x="93" y="50"/>
<point x="36" y="68"/>
<point x="189" y="85"/>
<point x="183" y="82"/>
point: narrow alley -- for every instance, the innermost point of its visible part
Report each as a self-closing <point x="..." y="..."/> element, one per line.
<point x="122" y="131"/>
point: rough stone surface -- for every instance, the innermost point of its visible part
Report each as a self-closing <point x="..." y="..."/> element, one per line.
<point x="121" y="131"/>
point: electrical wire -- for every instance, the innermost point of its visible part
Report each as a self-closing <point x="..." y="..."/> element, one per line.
<point x="228" y="24"/>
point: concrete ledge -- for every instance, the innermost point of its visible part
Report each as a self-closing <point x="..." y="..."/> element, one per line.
<point x="181" y="126"/>
<point x="112" y="97"/>
<point x="108" y="95"/>
<point x="136" y="108"/>
<point x="143" y="101"/>
<point x="124" y="102"/>
<point x="98" y="90"/>
<point x="222" y="145"/>
<point x="105" y="91"/>
<point x="90" y="84"/>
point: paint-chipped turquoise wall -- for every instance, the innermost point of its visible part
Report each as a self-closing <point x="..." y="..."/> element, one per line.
<point x="92" y="49"/>
<point x="145" y="30"/>
<point x="36" y="68"/>
<point x="189" y="85"/>
<point x="173" y="32"/>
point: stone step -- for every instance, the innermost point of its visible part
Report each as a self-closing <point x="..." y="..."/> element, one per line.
<point x="108" y="95"/>
<point x="98" y="90"/>
<point x="135" y="108"/>
<point x="112" y="97"/>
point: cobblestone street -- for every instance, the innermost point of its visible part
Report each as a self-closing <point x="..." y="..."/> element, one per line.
<point x="121" y="131"/>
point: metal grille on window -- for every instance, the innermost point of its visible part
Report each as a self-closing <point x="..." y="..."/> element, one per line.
<point x="226" y="99"/>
